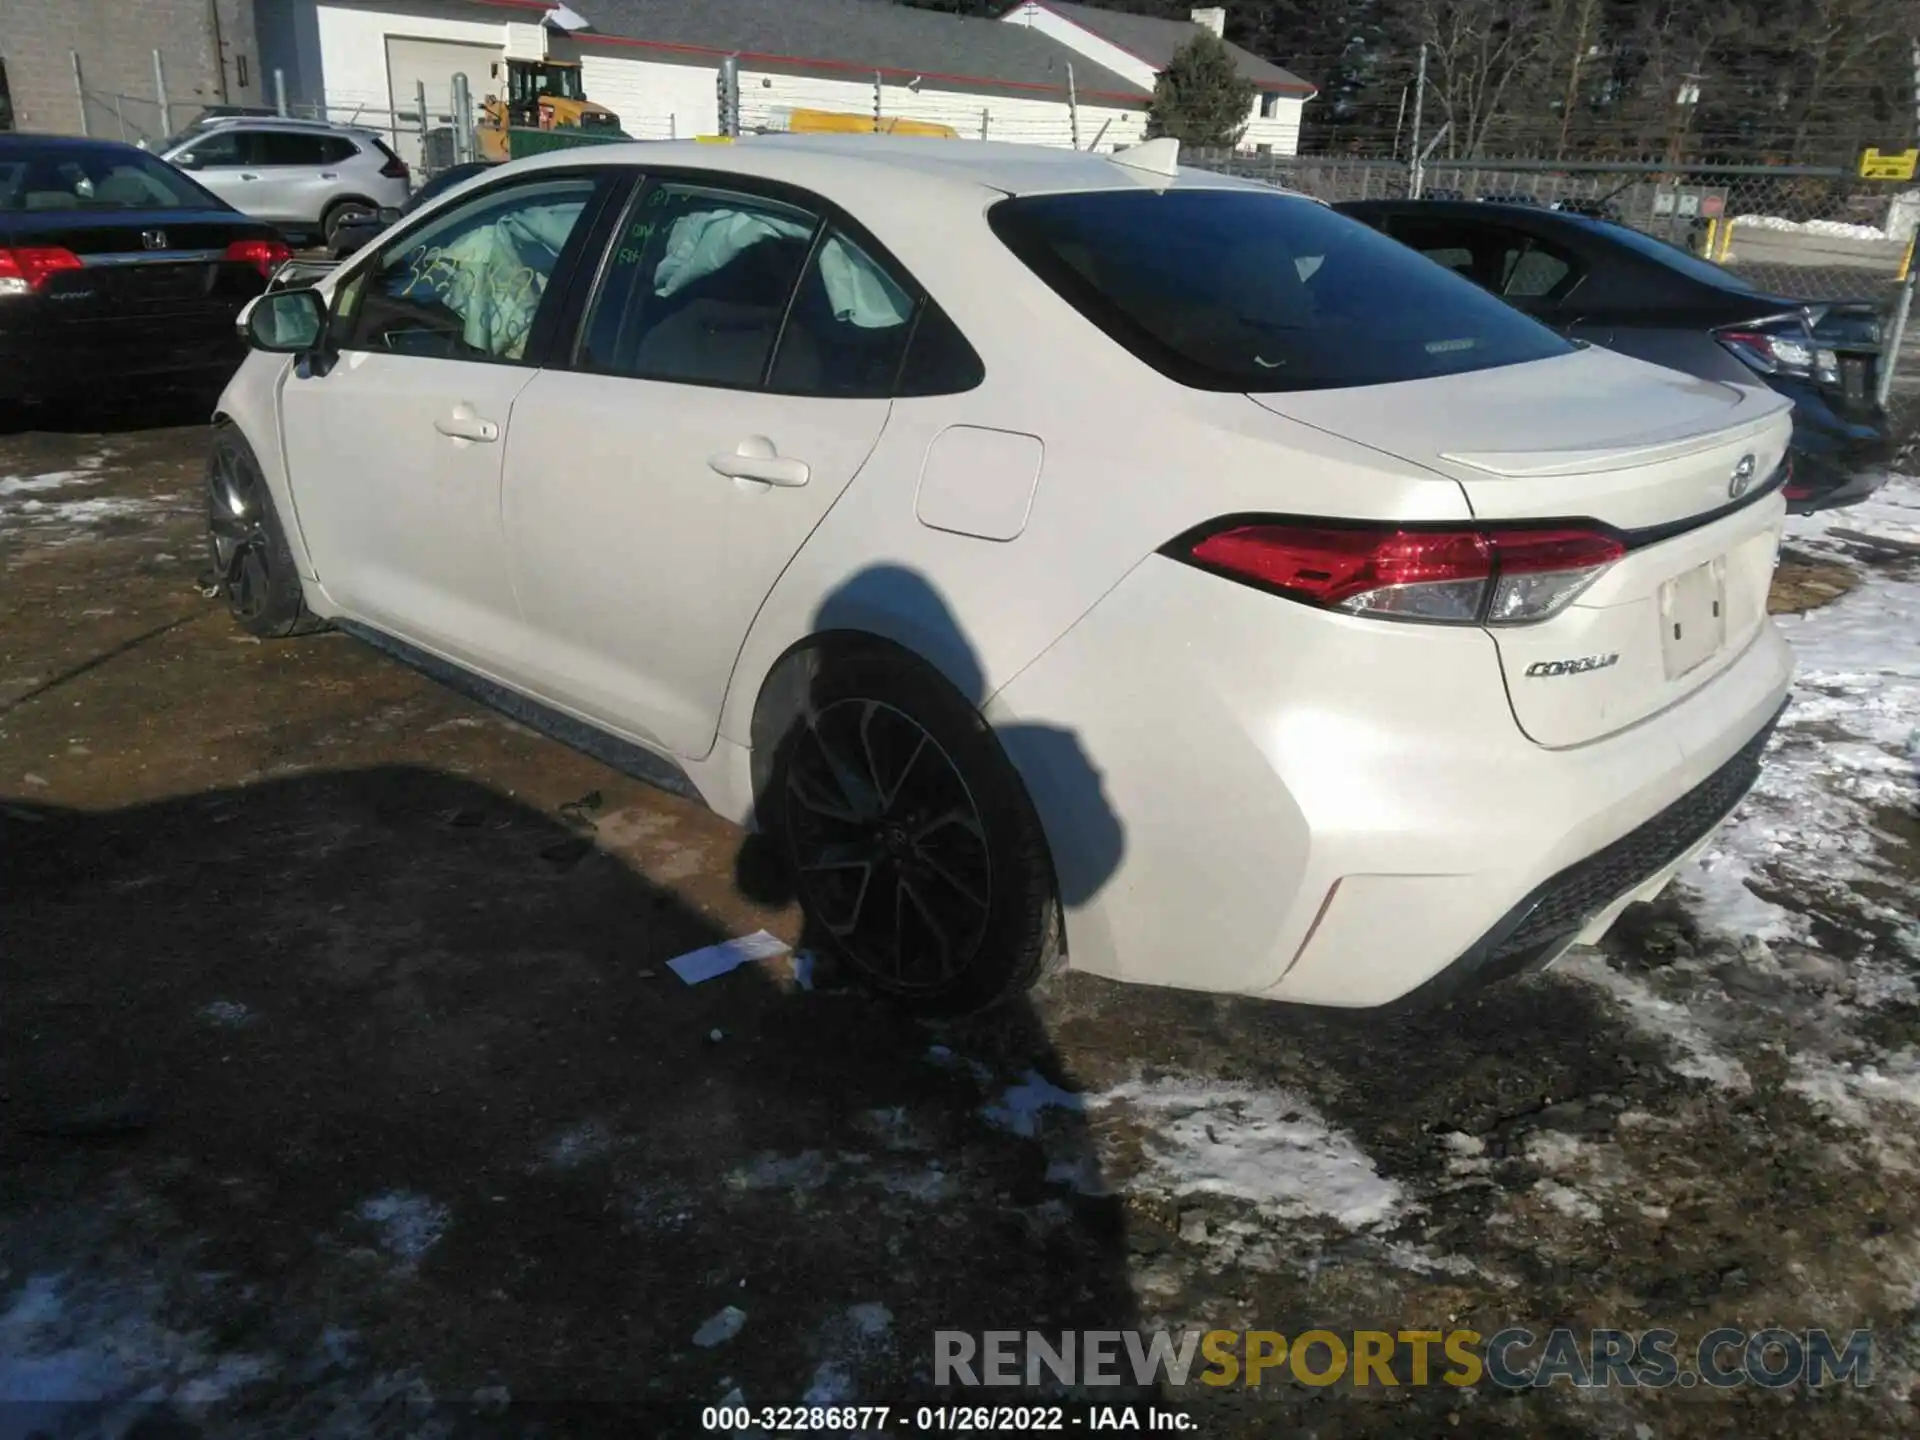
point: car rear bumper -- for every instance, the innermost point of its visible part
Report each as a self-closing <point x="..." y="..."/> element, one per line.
<point x="1836" y="461"/>
<point x="1828" y="475"/>
<point x="1244" y="794"/>
<point x="50" y="359"/>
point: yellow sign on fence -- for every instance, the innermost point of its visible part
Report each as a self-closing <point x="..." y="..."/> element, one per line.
<point x="1899" y="165"/>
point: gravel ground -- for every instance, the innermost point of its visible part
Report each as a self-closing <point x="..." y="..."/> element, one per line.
<point x="344" y="1088"/>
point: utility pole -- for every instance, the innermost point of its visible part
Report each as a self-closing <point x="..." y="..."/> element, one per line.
<point x="80" y="92"/>
<point x="1073" y="108"/>
<point x="160" y="91"/>
<point x="1419" y="110"/>
<point x="729" y="96"/>
<point x="219" y="47"/>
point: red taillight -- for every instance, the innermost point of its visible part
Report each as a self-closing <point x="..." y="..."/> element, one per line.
<point x="1781" y="348"/>
<point x="266" y="256"/>
<point x="26" y="269"/>
<point x="1484" y="577"/>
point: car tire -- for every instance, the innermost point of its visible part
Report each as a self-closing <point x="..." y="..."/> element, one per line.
<point x="253" y="569"/>
<point x="341" y="210"/>
<point x="890" y="787"/>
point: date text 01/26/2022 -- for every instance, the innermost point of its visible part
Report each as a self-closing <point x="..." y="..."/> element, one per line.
<point x="957" y="1419"/>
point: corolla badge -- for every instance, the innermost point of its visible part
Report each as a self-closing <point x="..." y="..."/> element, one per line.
<point x="1742" y="480"/>
<point x="1548" y="669"/>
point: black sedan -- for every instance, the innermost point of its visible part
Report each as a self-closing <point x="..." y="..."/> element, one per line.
<point x="1602" y="282"/>
<point x="114" y="266"/>
<point x="352" y="234"/>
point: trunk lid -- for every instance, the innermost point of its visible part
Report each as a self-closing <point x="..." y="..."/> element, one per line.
<point x="1668" y="462"/>
<point x="143" y="264"/>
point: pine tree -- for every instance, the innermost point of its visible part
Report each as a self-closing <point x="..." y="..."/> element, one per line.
<point x="1200" y="99"/>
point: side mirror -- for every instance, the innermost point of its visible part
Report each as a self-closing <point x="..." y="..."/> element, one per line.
<point x="285" y="322"/>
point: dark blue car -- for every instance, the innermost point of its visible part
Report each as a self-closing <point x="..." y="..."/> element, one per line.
<point x="1595" y="280"/>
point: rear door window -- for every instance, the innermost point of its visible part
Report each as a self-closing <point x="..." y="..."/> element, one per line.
<point x="1536" y="271"/>
<point x="1259" y="291"/>
<point x="697" y="286"/>
<point x="847" y="328"/>
<point x="286" y="147"/>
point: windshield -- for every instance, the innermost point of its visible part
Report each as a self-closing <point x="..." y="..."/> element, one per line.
<point x="1261" y="291"/>
<point x="559" y="81"/>
<point x="78" y="177"/>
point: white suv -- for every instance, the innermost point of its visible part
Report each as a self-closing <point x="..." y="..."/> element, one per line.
<point x="304" y="176"/>
<point x="1052" y="554"/>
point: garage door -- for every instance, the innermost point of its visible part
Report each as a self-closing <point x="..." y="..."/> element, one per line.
<point x="434" y="63"/>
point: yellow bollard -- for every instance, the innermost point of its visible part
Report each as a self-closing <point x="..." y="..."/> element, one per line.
<point x="1713" y="236"/>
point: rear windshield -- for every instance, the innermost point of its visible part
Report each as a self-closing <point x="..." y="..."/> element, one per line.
<point x="1258" y="291"/>
<point x="79" y="177"/>
<point x="1672" y="256"/>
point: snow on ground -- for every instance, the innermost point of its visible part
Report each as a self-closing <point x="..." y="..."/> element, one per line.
<point x="1266" y="1147"/>
<point x="1181" y="1137"/>
<point x="1838" y="228"/>
<point x="63" y="1337"/>
<point x="1846" y="753"/>
<point x="409" y="1225"/>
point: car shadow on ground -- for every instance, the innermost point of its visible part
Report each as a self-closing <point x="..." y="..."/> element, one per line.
<point x="383" y="1069"/>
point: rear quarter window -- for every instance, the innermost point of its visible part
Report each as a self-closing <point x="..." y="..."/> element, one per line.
<point x="1260" y="291"/>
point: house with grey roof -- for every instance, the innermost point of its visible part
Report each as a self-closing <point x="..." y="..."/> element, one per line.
<point x="656" y="63"/>
<point x="1139" y="47"/>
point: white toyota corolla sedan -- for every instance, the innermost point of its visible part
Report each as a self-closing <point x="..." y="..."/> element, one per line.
<point x="1059" y="558"/>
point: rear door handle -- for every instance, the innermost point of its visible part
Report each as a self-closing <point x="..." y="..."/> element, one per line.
<point x="462" y="424"/>
<point x="328" y="175"/>
<point x="755" y="458"/>
<point x="245" y="176"/>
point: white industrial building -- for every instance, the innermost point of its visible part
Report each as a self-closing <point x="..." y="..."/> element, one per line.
<point x="1045" y="73"/>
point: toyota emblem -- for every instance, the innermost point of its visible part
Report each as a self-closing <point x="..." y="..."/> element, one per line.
<point x="154" y="239"/>
<point x="1742" y="480"/>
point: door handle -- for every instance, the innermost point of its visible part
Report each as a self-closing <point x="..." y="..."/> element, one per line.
<point x="329" y="175"/>
<point x="462" y="424"/>
<point x="755" y="458"/>
<point x="245" y="176"/>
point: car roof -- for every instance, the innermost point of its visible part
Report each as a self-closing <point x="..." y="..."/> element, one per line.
<point x="830" y="163"/>
<point x="279" y="122"/>
<point x="25" y="139"/>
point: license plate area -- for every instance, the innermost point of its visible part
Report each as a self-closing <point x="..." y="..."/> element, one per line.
<point x="1693" y="617"/>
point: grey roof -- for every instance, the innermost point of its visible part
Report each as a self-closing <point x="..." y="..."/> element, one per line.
<point x="857" y="37"/>
<point x="1148" y="38"/>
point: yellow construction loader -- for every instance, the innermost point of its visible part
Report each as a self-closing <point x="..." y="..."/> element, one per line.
<point x="541" y="95"/>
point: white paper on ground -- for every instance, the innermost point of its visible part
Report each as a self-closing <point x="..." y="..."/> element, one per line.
<point x="698" y="965"/>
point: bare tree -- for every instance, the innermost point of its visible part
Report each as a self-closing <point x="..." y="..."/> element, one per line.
<point x="1480" y="53"/>
<point x="1578" y="37"/>
<point x="1839" y="41"/>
